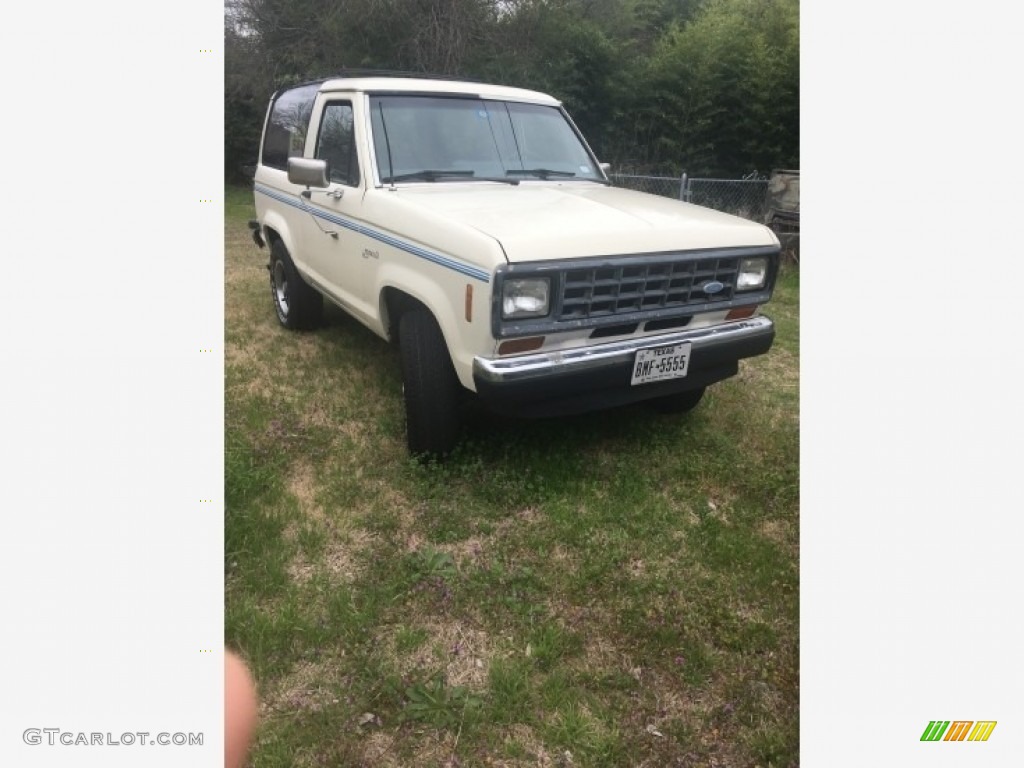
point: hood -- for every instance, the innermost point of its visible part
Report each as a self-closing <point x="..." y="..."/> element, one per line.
<point x="535" y="221"/>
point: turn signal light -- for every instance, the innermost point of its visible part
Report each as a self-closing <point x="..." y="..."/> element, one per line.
<point x="741" y="312"/>
<point x="513" y="346"/>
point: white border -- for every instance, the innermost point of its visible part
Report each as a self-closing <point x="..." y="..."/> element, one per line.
<point x="911" y="374"/>
<point x="111" y="447"/>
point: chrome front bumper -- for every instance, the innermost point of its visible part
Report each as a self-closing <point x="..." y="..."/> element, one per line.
<point x="741" y="334"/>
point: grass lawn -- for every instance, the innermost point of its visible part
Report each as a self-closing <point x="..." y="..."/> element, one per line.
<point x="617" y="589"/>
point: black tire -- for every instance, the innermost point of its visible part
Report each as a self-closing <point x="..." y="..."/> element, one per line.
<point x="431" y="388"/>
<point x="681" y="402"/>
<point x="298" y="306"/>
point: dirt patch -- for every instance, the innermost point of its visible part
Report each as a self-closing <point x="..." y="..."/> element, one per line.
<point x="302" y="484"/>
<point x="776" y="531"/>
<point x="468" y="552"/>
<point x="342" y="559"/>
<point x="308" y="687"/>
<point x="379" y="750"/>
<point x="340" y="562"/>
<point x="437" y="748"/>
<point x="541" y="756"/>
<point x="462" y="652"/>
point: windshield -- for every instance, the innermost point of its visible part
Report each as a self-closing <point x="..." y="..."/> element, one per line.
<point x="431" y="139"/>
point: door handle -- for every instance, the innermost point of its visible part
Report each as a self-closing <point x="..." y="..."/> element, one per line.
<point x="337" y="194"/>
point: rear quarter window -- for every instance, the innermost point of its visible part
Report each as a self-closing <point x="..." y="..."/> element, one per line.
<point x="288" y="126"/>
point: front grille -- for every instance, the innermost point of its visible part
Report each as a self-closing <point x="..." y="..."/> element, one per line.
<point x="646" y="292"/>
<point x="607" y="291"/>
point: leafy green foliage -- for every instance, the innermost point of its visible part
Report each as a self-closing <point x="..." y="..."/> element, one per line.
<point x="726" y="88"/>
<point x="439" y="704"/>
<point x="707" y="87"/>
<point x="432" y="564"/>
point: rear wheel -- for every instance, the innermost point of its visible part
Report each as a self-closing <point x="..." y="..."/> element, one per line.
<point x="298" y="306"/>
<point x="681" y="402"/>
<point x="430" y="385"/>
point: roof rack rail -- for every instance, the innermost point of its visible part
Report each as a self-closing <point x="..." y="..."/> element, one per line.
<point x="377" y="73"/>
<point x="359" y="72"/>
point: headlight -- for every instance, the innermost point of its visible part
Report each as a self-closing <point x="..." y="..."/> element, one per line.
<point x="525" y="298"/>
<point x="752" y="274"/>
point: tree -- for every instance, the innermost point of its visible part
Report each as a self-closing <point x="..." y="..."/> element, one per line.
<point x="726" y="94"/>
<point x="709" y="86"/>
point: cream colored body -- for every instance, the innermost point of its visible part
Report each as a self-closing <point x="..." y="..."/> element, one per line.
<point x="433" y="240"/>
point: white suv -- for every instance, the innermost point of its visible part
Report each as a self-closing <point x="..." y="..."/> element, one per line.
<point x="473" y="224"/>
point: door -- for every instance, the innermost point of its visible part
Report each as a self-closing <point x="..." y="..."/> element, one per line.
<point x="332" y="244"/>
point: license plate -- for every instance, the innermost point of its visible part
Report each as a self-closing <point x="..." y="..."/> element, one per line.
<point x="661" y="363"/>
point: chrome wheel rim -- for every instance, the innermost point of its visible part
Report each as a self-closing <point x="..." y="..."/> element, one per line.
<point x="280" y="285"/>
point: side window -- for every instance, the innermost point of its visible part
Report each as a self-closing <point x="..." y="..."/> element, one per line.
<point x="288" y="126"/>
<point x="337" y="144"/>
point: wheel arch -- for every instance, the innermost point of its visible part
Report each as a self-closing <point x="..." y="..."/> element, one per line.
<point x="400" y="289"/>
<point x="276" y="229"/>
<point x="398" y="293"/>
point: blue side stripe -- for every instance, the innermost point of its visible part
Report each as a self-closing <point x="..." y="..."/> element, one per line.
<point x="436" y="258"/>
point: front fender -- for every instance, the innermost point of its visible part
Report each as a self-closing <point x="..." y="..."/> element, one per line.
<point x="447" y="304"/>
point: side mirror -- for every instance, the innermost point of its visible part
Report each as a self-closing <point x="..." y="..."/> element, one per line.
<point x="308" y="172"/>
<point x="606" y="167"/>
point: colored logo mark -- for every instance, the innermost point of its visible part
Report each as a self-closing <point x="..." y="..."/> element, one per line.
<point x="958" y="730"/>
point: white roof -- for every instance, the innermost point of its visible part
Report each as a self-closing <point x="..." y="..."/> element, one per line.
<point x="427" y="85"/>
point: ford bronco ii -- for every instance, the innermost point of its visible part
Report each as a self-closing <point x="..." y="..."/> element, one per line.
<point x="473" y="225"/>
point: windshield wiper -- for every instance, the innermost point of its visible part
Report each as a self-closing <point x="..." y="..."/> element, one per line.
<point x="428" y="175"/>
<point x="497" y="179"/>
<point x="436" y="175"/>
<point x="544" y="173"/>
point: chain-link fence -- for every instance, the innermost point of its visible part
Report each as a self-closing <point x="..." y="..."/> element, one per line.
<point x="741" y="197"/>
<point x="775" y="201"/>
<point x="666" y="186"/>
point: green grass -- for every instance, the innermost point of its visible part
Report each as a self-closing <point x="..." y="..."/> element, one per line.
<point x="612" y="590"/>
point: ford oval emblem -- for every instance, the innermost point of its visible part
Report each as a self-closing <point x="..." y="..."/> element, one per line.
<point x="712" y="287"/>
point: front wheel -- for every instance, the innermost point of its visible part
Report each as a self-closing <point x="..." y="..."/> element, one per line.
<point x="430" y="385"/>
